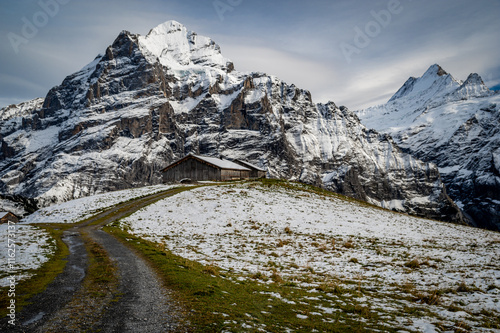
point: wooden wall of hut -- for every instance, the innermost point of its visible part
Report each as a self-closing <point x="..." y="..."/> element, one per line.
<point x="192" y="169"/>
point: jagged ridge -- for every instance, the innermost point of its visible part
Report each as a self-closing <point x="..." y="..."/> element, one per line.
<point x="149" y="100"/>
<point x="455" y="125"/>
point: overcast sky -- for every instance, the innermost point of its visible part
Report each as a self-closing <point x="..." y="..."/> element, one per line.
<point x="355" y="53"/>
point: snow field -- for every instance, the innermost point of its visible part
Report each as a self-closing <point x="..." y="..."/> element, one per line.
<point x="387" y="262"/>
<point x="33" y="247"/>
<point x="80" y="209"/>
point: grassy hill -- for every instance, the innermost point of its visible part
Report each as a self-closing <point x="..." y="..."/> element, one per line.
<point x="278" y="256"/>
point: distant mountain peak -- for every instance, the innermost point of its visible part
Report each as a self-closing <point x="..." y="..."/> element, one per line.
<point x="436" y="73"/>
<point x="435" y="82"/>
<point x="473" y="87"/>
<point x="406" y="89"/>
<point x="436" y="70"/>
<point x="435" y="78"/>
<point x="474" y="78"/>
<point x="455" y="125"/>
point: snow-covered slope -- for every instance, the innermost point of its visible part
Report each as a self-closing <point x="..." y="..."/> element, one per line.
<point x="79" y="209"/>
<point x="387" y="262"/>
<point x="149" y="100"/>
<point x="14" y="207"/>
<point x="455" y="125"/>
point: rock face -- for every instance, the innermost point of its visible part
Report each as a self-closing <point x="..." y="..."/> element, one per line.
<point x="150" y="100"/>
<point x="455" y="125"/>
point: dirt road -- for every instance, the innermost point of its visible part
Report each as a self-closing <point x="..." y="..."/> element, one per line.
<point x="139" y="304"/>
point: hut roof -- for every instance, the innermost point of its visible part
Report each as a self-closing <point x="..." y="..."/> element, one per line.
<point x="2" y="214"/>
<point x="217" y="162"/>
<point x="251" y="166"/>
<point x="221" y="163"/>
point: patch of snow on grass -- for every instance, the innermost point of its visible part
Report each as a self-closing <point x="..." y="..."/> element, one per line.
<point x="315" y="241"/>
<point x="33" y="247"/>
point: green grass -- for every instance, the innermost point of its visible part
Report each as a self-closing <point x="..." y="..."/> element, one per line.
<point x="221" y="302"/>
<point x="99" y="288"/>
<point x="490" y="319"/>
<point x="42" y="276"/>
<point x="101" y="273"/>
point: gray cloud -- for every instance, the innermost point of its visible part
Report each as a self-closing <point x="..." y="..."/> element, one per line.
<point x="295" y="40"/>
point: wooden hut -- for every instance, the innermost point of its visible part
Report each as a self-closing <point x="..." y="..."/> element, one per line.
<point x="202" y="168"/>
<point x="5" y="217"/>
<point x="255" y="171"/>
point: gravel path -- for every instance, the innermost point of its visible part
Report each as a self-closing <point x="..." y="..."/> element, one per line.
<point x="58" y="293"/>
<point x="144" y="305"/>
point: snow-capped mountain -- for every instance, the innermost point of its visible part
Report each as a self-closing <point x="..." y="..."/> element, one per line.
<point x="455" y="125"/>
<point x="149" y="100"/>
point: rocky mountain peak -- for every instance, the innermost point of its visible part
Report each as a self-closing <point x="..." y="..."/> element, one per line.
<point x="473" y="87"/>
<point x="474" y="78"/>
<point x="405" y="89"/>
<point x="176" y="47"/>
<point x="435" y="70"/>
<point x="433" y="84"/>
<point x="149" y="100"/>
<point x="167" y="28"/>
<point x="455" y="125"/>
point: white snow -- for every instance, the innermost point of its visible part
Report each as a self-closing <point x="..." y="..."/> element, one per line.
<point x="13" y="207"/>
<point x="20" y="110"/>
<point x="393" y="205"/>
<point x="41" y="139"/>
<point x="254" y="95"/>
<point x="221" y="163"/>
<point x="32" y="247"/>
<point x="176" y="47"/>
<point x="186" y="105"/>
<point x="432" y="126"/>
<point x="79" y="209"/>
<point x="431" y="109"/>
<point x="496" y="159"/>
<point x="449" y="169"/>
<point x="244" y="227"/>
<point x="225" y="100"/>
